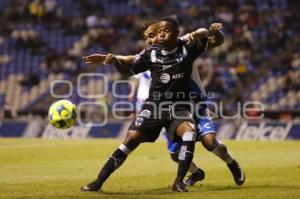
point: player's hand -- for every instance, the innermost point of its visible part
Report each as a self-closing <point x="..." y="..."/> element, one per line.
<point x="94" y="58"/>
<point x="190" y="37"/>
<point x="110" y="59"/>
<point x="214" y="27"/>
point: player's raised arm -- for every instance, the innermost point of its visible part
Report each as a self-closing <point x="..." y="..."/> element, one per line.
<point x="214" y="37"/>
<point x="199" y="33"/>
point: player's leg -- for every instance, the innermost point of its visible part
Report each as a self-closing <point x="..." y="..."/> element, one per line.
<point x="142" y="129"/>
<point x="131" y="142"/>
<point x="197" y="174"/>
<point x="218" y="148"/>
<point x="210" y="142"/>
<point x="207" y="136"/>
<point x="185" y="130"/>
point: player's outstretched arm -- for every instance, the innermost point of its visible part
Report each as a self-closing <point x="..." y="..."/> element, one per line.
<point x="121" y="62"/>
<point x="138" y="63"/>
<point x="94" y="58"/>
<point x="100" y="58"/>
<point x="128" y="59"/>
<point x="217" y="37"/>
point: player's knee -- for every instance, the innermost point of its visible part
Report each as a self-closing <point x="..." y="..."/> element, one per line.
<point x="174" y="157"/>
<point x="189" y="136"/>
<point x="135" y="135"/>
<point x="221" y="148"/>
<point x="185" y="127"/>
<point x="209" y="142"/>
<point x="133" y="139"/>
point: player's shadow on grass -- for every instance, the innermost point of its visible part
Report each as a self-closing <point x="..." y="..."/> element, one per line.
<point x="167" y="191"/>
<point x="151" y="192"/>
<point x="199" y="188"/>
<point x="159" y="191"/>
<point x="231" y="188"/>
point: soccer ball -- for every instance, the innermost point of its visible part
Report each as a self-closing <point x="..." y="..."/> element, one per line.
<point x="62" y="114"/>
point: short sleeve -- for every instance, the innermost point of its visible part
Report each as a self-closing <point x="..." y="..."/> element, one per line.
<point x="140" y="63"/>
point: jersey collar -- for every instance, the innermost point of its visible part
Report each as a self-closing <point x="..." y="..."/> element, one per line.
<point x="164" y="52"/>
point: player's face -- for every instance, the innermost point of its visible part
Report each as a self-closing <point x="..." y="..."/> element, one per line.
<point x="150" y="34"/>
<point x="166" y="33"/>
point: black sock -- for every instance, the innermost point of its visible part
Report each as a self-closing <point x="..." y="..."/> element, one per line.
<point x="185" y="158"/>
<point x="116" y="160"/>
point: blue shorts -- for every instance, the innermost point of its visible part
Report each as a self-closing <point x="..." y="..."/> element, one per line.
<point x="205" y="126"/>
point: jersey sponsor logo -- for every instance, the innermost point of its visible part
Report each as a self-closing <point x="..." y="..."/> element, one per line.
<point x="177" y="76"/>
<point x="165" y="78"/>
<point x="145" y="113"/>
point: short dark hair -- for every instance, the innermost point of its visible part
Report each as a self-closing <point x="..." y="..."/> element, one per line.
<point x="171" y="19"/>
<point x="147" y="24"/>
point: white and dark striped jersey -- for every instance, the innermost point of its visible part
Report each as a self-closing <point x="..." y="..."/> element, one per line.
<point x="170" y="71"/>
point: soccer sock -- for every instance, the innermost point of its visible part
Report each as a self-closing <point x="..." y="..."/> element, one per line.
<point x="185" y="158"/>
<point x="114" y="162"/>
<point x="193" y="167"/>
<point x="221" y="151"/>
<point x="124" y="148"/>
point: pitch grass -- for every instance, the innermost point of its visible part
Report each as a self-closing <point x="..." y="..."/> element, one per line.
<point x="37" y="168"/>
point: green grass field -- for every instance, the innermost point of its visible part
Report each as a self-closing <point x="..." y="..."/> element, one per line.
<point x="37" y="168"/>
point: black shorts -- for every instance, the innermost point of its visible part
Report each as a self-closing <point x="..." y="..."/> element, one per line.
<point x="151" y="120"/>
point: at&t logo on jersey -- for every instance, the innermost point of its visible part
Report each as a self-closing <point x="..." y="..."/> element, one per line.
<point x="165" y="78"/>
<point x="177" y="76"/>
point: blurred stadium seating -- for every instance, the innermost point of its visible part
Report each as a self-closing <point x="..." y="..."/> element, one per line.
<point x="43" y="41"/>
